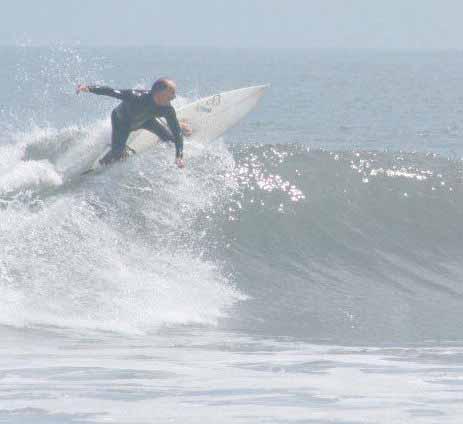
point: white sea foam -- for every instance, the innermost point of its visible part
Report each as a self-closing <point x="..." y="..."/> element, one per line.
<point x="77" y="261"/>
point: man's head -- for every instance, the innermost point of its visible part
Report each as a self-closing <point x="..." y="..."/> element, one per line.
<point x="163" y="91"/>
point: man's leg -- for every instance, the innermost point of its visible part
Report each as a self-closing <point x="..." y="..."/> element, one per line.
<point x="119" y="135"/>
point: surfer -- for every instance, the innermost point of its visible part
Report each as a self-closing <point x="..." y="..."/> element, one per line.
<point x="139" y="110"/>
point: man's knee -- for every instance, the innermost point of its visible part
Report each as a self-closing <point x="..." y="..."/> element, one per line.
<point x="162" y="132"/>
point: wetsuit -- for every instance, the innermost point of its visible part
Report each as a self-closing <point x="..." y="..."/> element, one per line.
<point x="138" y="111"/>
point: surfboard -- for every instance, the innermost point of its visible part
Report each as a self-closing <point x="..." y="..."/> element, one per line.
<point x="208" y="118"/>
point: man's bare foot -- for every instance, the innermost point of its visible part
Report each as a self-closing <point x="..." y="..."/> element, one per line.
<point x="180" y="162"/>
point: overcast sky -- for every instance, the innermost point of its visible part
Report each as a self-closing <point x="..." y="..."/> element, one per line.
<point x="423" y="24"/>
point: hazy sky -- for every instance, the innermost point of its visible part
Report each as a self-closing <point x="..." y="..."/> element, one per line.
<point x="236" y="23"/>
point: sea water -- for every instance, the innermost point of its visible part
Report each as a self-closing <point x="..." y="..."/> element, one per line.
<point x="306" y="267"/>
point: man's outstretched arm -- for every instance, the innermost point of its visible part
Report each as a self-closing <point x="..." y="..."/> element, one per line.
<point x="107" y="91"/>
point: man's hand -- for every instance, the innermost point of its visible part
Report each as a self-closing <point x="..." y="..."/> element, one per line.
<point x="186" y="129"/>
<point x="180" y="162"/>
<point x="82" y="88"/>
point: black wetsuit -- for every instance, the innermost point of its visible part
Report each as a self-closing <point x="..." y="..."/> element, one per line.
<point x="139" y="111"/>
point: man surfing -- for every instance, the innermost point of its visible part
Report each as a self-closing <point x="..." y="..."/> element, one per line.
<point x="139" y="110"/>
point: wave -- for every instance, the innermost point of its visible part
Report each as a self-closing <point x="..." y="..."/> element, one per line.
<point x="345" y="246"/>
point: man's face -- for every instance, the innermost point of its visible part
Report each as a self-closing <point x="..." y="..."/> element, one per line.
<point x="163" y="98"/>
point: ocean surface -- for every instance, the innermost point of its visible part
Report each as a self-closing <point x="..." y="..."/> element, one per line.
<point x="304" y="268"/>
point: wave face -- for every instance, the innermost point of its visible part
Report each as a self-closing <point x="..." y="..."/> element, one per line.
<point x="347" y="246"/>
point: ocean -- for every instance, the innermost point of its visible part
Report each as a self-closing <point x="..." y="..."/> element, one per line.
<point x="304" y="268"/>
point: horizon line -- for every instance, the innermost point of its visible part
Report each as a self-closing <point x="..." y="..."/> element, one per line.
<point x="201" y="46"/>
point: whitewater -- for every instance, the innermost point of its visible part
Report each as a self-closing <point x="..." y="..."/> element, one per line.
<point x="306" y="267"/>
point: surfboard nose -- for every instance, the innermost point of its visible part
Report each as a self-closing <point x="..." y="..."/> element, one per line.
<point x="253" y="91"/>
<point x="260" y="89"/>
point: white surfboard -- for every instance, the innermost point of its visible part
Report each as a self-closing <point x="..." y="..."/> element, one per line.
<point x="208" y="118"/>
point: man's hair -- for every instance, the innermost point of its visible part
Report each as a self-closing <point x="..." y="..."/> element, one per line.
<point x="159" y="85"/>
